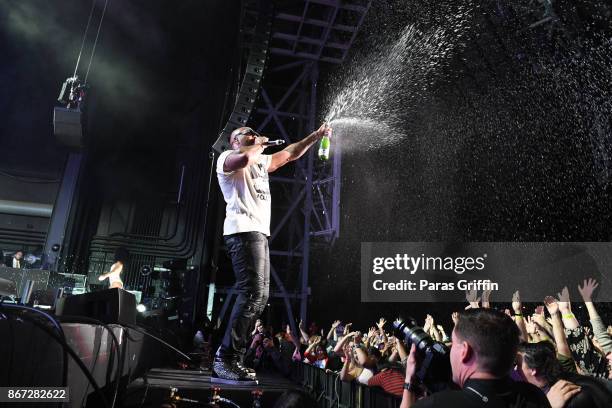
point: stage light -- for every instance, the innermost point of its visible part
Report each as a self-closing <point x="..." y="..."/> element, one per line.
<point x="31" y="259"/>
<point x="145" y="270"/>
<point x="141" y="308"/>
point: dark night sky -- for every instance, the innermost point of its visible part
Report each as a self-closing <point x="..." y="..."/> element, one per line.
<point x="155" y="62"/>
<point x="146" y="50"/>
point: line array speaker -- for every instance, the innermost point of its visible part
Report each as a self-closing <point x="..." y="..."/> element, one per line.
<point x="258" y="49"/>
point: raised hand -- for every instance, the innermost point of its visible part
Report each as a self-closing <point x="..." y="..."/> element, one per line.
<point x="472" y="298"/>
<point x="429" y="321"/>
<point x="347" y="352"/>
<point x="301" y="325"/>
<point x="371" y="332"/>
<point x="538" y="317"/>
<point x="516" y="302"/>
<point x="561" y="392"/>
<point x="258" y="326"/>
<point x="587" y="289"/>
<point x="531" y="328"/>
<point x="336" y="324"/>
<point x="347" y="328"/>
<point x="539" y="321"/>
<point x="324" y="130"/>
<point x="486" y="295"/>
<point x="381" y="323"/>
<point x="564" y="301"/>
<point x="551" y="305"/>
<point x="455" y="317"/>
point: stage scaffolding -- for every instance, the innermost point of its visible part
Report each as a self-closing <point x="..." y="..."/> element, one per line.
<point x="305" y="194"/>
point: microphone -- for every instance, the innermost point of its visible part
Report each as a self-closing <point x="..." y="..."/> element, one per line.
<point x="274" y="142"/>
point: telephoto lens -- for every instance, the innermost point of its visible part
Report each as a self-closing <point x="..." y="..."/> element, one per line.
<point x="434" y="370"/>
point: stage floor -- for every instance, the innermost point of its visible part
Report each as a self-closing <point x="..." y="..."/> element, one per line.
<point x="154" y="388"/>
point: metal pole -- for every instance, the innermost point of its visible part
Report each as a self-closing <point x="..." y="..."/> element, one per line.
<point x="61" y="209"/>
<point x="314" y="74"/>
<point x="26" y="208"/>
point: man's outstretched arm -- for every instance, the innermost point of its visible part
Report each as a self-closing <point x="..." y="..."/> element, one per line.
<point x="296" y="150"/>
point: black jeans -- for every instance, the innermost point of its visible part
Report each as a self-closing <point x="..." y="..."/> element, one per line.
<point x="251" y="262"/>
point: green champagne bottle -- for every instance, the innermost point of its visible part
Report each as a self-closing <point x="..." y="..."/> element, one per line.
<point x="324" y="148"/>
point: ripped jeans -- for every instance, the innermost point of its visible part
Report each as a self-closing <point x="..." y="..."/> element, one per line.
<point x="251" y="263"/>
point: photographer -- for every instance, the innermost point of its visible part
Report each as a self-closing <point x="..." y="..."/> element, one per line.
<point x="484" y="348"/>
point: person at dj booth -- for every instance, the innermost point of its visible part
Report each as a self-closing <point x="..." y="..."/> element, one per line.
<point x="16" y="261"/>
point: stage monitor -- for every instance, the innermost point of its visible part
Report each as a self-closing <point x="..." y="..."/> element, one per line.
<point x="110" y="306"/>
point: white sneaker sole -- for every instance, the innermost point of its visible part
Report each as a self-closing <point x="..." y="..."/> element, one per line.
<point x="218" y="380"/>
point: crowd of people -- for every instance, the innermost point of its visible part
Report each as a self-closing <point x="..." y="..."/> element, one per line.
<point x="494" y="357"/>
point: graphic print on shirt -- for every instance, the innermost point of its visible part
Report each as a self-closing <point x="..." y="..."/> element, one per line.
<point x="260" y="181"/>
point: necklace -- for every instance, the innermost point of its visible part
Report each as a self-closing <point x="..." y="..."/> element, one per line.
<point x="483" y="397"/>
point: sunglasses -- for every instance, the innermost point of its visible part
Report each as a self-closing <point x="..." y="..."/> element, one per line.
<point x="247" y="131"/>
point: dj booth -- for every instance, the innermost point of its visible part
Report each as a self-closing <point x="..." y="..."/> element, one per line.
<point x="41" y="286"/>
<point x="20" y="277"/>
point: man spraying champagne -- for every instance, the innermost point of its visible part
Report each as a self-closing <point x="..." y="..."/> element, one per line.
<point x="243" y="177"/>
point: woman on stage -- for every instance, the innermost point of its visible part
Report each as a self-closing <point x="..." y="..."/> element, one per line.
<point x="114" y="276"/>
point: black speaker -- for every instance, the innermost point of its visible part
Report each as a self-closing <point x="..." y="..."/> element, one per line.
<point x="110" y="306"/>
<point x="258" y="45"/>
<point x="8" y="287"/>
<point x="67" y="126"/>
<point x="47" y="297"/>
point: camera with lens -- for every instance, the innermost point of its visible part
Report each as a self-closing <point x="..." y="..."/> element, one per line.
<point x="434" y="370"/>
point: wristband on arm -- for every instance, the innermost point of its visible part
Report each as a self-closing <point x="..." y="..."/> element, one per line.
<point x="410" y="386"/>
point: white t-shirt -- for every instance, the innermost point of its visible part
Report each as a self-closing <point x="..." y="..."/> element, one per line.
<point x="16" y="263"/>
<point x="247" y="194"/>
<point x="365" y="376"/>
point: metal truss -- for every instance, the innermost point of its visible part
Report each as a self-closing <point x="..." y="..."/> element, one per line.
<point x="305" y="196"/>
<point x="321" y="30"/>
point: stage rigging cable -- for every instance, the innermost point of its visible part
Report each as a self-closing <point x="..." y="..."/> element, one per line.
<point x="93" y="49"/>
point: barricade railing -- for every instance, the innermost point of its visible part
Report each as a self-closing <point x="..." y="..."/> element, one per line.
<point x="330" y="392"/>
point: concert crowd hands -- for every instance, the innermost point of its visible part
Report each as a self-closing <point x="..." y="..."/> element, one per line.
<point x="580" y="354"/>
